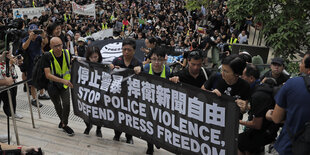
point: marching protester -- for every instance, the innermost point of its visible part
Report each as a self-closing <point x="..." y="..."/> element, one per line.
<point x="93" y="55"/>
<point x="156" y="67"/>
<point x="127" y="60"/>
<point x="150" y="43"/>
<point x="277" y="71"/>
<point x="259" y="131"/>
<point x="292" y="107"/>
<point x="57" y="70"/>
<point x="32" y="45"/>
<point x="194" y="74"/>
<point x="228" y="81"/>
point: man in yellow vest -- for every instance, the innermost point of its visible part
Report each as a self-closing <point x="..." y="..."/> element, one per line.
<point x="157" y="67"/>
<point x="57" y="70"/>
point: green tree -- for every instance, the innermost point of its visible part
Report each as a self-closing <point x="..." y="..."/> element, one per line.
<point x="285" y="23"/>
<point x="196" y="4"/>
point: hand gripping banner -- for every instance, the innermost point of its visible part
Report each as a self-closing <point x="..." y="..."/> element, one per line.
<point x="177" y="117"/>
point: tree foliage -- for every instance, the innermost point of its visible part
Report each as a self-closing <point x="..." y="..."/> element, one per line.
<point x="196" y="4"/>
<point x="286" y="23"/>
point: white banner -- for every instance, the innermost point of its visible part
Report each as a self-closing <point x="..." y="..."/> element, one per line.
<point x="30" y="12"/>
<point x="101" y="34"/>
<point x="88" y="10"/>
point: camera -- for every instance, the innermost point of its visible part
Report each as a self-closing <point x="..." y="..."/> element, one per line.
<point x="19" y="57"/>
<point x="37" y="31"/>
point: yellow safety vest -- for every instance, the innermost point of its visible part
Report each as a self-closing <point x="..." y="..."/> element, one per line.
<point x="104" y="26"/>
<point x="163" y="73"/>
<point x="63" y="71"/>
<point x="65" y="17"/>
<point x="231" y="41"/>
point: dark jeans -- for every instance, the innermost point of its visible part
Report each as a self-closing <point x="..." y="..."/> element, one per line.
<point x="61" y="101"/>
<point x="5" y="98"/>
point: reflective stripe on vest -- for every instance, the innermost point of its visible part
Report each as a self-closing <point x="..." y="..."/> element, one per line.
<point x="233" y="42"/>
<point x="104" y="26"/>
<point x="63" y="72"/>
<point x="163" y="73"/>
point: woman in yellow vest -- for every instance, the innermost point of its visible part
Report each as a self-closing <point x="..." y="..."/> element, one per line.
<point x="157" y="67"/>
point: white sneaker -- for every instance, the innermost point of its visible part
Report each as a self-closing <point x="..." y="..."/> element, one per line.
<point x="19" y="116"/>
<point x="3" y="138"/>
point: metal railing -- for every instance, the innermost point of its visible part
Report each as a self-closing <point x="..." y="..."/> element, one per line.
<point x="12" y="110"/>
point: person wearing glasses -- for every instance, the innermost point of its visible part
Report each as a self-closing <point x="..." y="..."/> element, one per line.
<point x="194" y="74"/>
<point x="229" y="81"/>
<point x="56" y="66"/>
<point x="127" y="60"/>
<point x="157" y="67"/>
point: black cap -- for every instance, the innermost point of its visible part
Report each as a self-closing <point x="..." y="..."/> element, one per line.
<point x="277" y="60"/>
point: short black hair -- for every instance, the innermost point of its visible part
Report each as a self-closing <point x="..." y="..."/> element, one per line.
<point x="307" y="60"/>
<point x="235" y="63"/>
<point x="152" y="40"/>
<point x="270" y="81"/>
<point x="251" y="70"/>
<point x="160" y="51"/>
<point x="130" y="41"/>
<point x="91" y="50"/>
<point x="196" y="55"/>
<point x="52" y="27"/>
<point x="246" y="57"/>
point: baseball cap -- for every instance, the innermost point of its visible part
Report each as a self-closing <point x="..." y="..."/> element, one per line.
<point x="277" y="60"/>
<point x="149" y="21"/>
<point x="33" y="27"/>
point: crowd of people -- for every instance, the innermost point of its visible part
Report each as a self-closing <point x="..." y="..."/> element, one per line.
<point x="167" y="28"/>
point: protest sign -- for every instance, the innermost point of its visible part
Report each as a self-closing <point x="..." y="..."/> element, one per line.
<point x="101" y="34"/>
<point x="179" y="118"/>
<point x="30" y="12"/>
<point x="88" y="10"/>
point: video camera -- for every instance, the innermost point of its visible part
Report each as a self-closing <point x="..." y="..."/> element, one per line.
<point x="12" y="30"/>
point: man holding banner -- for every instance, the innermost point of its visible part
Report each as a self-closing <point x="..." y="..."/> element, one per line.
<point x="158" y="68"/>
<point x="127" y="60"/>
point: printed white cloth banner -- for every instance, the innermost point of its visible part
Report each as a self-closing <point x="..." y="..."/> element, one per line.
<point x="88" y="10"/>
<point x="30" y="12"/>
<point x="101" y="34"/>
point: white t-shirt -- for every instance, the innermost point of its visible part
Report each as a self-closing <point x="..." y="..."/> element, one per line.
<point x="243" y="39"/>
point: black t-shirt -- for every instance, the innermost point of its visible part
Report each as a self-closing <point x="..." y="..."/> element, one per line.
<point x="261" y="101"/>
<point x="185" y="77"/>
<point x="239" y="90"/>
<point x="48" y="58"/>
<point x="119" y="61"/>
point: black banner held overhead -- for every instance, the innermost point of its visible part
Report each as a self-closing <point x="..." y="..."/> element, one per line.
<point x="179" y="118"/>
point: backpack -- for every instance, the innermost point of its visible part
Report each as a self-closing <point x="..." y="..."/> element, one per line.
<point x="39" y="80"/>
<point x="301" y="139"/>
